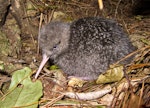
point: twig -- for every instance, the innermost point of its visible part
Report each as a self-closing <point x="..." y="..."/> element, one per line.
<point x="141" y="94"/>
<point x="129" y="55"/>
<point x="88" y="95"/>
<point x="40" y="25"/>
<point x="29" y="25"/>
<point x="116" y="10"/>
<point x="54" y="100"/>
<point x="100" y="2"/>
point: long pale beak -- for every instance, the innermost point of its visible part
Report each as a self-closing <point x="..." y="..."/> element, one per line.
<point x="44" y="60"/>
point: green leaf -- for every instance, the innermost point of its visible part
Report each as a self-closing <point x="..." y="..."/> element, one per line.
<point x="22" y="91"/>
<point x="53" y="67"/>
<point x="112" y="75"/>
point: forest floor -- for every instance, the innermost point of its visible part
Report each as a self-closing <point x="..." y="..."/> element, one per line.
<point x="19" y="49"/>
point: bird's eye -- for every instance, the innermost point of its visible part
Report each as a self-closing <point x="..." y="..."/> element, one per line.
<point x="56" y="45"/>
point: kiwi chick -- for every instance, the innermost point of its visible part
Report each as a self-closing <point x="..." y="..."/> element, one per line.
<point x="84" y="48"/>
